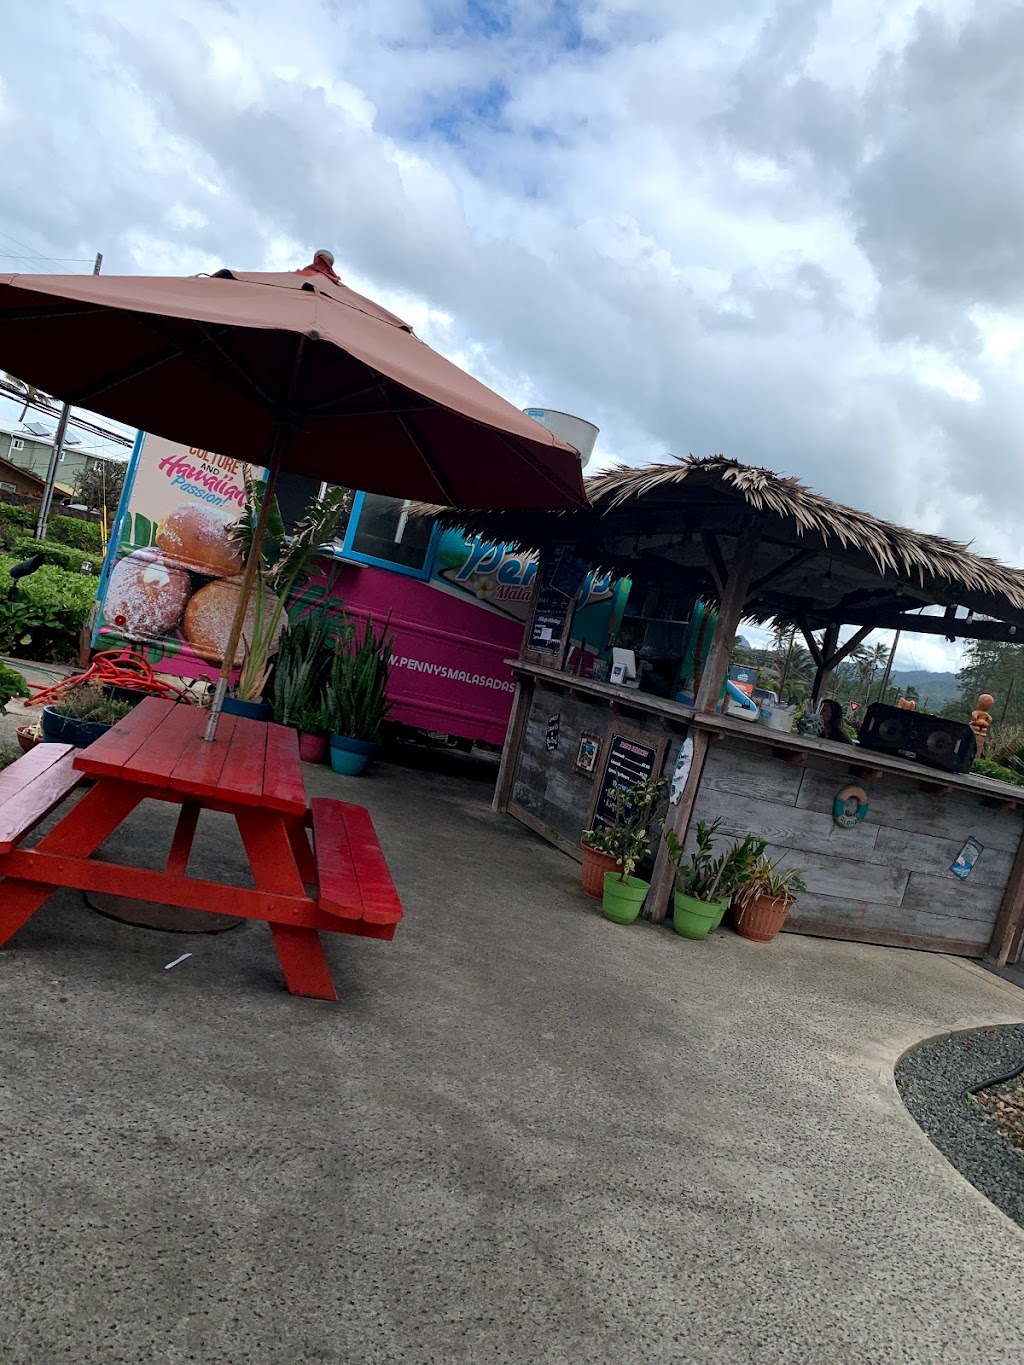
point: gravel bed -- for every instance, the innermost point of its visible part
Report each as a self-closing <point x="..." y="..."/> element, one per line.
<point x="932" y="1080"/>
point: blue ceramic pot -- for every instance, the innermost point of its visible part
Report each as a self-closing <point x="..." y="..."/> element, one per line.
<point x="59" y="729"/>
<point x="252" y="710"/>
<point x="350" y="756"/>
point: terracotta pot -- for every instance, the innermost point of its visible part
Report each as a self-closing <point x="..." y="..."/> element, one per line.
<point x="761" y="919"/>
<point x="595" y="865"/>
<point x="25" y="740"/>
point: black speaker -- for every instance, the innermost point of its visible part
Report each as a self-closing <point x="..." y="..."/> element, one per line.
<point x="939" y="743"/>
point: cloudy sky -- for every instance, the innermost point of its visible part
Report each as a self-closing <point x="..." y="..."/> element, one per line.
<point x="788" y="230"/>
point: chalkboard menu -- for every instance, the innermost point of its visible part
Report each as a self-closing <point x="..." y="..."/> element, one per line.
<point x="560" y="581"/>
<point x="629" y="761"/>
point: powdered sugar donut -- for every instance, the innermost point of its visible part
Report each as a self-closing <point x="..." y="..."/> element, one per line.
<point x="197" y="537"/>
<point x="209" y="615"/>
<point x="145" y="596"/>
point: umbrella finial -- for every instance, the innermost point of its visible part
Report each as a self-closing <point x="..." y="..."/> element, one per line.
<point x="323" y="264"/>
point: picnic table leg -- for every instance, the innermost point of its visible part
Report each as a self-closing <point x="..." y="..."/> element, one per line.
<point x="78" y="835"/>
<point x="304" y="859"/>
<point x="272" y="857"/>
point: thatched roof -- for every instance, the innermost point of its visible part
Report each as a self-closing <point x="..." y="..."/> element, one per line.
<point x="819" y="561"/>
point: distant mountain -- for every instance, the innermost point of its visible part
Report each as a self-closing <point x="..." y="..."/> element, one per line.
<point x="939" y="688"/>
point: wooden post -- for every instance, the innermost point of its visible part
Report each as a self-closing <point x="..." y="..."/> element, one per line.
<point x="513" y="740"/>
<point x="824" y="669"/>
<point x="1011" y="913"/>
<point x="730" y="613"/>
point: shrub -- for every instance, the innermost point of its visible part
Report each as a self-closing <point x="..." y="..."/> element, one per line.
<point x="12" y="684"/>
<point x="63" y="556"/>
<point x="80" y="535"/>
<point x="44" y="620"/>
<point x="985" y="767"/>
<point x="14" y="522"/>
<point x="89" y="702"/>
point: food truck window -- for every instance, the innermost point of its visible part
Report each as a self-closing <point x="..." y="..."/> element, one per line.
<point x="381" y="531"/>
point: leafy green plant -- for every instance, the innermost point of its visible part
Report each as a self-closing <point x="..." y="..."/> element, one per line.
<point x="63" y="556"/>
<point x="302" y="668"/>
<point x="14" y="522"/>
<point x="628" y="838"/>
<point x="284" y="560"/>
<point x="44" y="620"/>
<point x="766" y="879"/>
<point x="313" y="717"/>
<point x="8" y="753"/>
<point x="91" y="703"/>
<point x="356" y="695"/>
<point x="1004" y="744"/>
<point x="12" y="684"/>
<point x="707" y="877"/>
<point x="986" y="767"/>
<point x="80" y="535"/>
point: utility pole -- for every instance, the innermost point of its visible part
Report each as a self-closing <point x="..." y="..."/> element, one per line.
<point x="58" y="447"/>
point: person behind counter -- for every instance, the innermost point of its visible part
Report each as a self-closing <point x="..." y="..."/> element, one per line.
<point x="832" y="715"/>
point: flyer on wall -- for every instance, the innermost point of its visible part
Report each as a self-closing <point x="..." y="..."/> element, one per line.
<point x="170" y="581"/>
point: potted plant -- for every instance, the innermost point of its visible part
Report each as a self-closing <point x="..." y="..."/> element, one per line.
<point x="312" y="720"/>
<point x="763" y="901"/>
<point x="285" y="560"/>
<point x="627" y="840"/>
<point x="356" y="696"/>
<point x="705" y="882"/>
<point x="300" y="677"/>
<point x="81" y="716"/>
<point x="597" y="860"/>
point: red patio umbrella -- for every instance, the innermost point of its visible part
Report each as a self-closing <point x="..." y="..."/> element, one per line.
<point x="295" y="371"/>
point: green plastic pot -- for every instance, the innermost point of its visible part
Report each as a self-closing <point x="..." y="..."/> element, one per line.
<point x="696" y="919"/>
<point x="623" y="899"/>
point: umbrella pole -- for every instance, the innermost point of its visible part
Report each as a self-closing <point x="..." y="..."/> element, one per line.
<point x="245" y="588"/>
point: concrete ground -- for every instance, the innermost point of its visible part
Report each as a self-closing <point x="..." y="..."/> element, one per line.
<point x="524" y="1134"/>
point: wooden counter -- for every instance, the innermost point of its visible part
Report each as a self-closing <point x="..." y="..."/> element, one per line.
<point x="886" y="880"/>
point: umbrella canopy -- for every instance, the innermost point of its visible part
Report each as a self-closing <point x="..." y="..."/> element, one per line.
<point x="293" y="369"/>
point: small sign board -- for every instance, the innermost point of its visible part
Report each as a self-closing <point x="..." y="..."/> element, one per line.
<point x="966" y="858"/>
<point x="560" y="581"/>
<point x="629" y="761"/>
<point x="587" y="753"/>
<point x="551" y="733"/>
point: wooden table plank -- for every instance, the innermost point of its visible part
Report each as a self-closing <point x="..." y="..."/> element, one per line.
<point x="380" y="899"/>
<point x="40" y="791"/>
<point x="354" y="881"/>
<point x="29" y="766"/>
<point x="109" y="754"/>
<point x="241" y="778"/>
<point x="339" y="889"/>
<point x="201" y="763"/>
<point x="155" y="759"/>
<point x="283" y="788"/>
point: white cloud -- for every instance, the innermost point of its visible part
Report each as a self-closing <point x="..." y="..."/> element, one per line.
<point x="756" y="228"/>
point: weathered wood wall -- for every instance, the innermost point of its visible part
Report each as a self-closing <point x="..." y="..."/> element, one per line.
<point x="548" y="794"/>
<point x="886" y="880"/>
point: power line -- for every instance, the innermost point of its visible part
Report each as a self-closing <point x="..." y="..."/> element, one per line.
<point x="54" y="260"/>
<point x="25" y="246"/>
<point x="11" y="391"/>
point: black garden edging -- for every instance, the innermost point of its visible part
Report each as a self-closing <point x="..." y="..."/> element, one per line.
<point x="933" y="1079"/>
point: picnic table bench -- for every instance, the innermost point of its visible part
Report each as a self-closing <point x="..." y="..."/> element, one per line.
<point x="251" y="771"/>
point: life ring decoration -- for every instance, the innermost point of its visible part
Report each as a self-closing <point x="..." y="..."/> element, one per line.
<point x="850" y="807"/>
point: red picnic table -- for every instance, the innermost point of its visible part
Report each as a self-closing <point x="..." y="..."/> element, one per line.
<point x="251" y="771"/>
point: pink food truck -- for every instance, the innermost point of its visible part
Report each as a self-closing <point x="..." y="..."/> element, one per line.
<point x="456" y="606"/>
